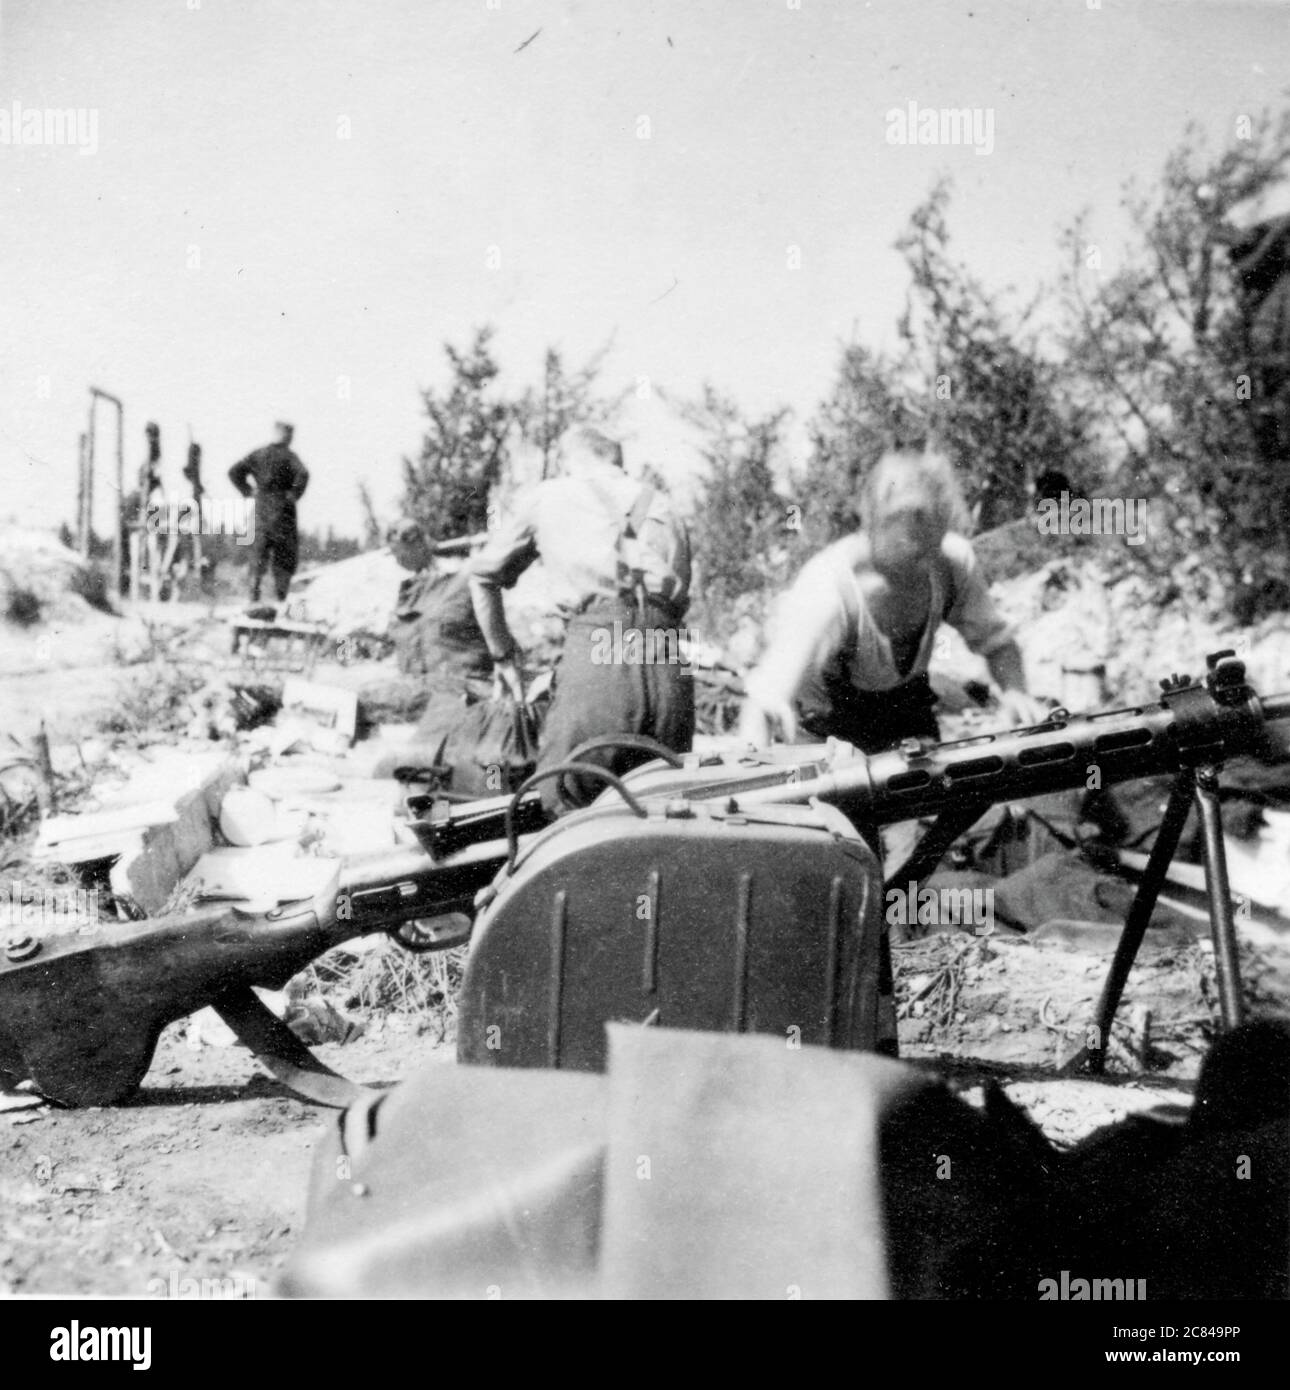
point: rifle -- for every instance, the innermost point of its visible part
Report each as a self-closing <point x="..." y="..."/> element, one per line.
<point x="81" y="1010"/>
<point x="80" y="1014"/>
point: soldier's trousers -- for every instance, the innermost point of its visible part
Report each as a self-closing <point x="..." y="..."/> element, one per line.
<point x="600" y="691"/>
<point x="276" y="545"/>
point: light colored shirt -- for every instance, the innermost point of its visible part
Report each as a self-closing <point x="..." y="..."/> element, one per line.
<point x="824" y="621"/>
<point x="576" y="525"/>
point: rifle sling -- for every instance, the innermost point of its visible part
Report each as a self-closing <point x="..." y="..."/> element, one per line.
<point x="282" y="1053"/>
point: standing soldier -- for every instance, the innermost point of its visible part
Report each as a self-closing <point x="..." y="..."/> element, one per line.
<point x="280" y="481"/>
<point x="617" y="560"/>
<point x="135" y="506"/>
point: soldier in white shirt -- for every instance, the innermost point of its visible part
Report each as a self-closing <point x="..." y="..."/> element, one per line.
<point x="617" y="559"/>
<point x="854" y="634"/>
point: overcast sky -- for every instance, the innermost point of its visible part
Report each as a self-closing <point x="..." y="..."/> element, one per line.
<point x="290" y="205"/>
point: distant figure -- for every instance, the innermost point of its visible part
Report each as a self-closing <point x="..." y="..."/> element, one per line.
<point x="134" y="505"/>
<point x="280" y="481"/>
<point x="150" y="470"/>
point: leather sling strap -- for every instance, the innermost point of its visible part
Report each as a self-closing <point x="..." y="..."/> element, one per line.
<point x="635" y="519"/>
<point x="283" y="1054"/>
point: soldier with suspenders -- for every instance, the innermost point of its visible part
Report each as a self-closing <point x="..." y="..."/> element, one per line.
<point x="618" y="561"/>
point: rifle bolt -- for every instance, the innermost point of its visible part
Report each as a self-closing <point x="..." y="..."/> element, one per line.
<point x="21" y="947"/>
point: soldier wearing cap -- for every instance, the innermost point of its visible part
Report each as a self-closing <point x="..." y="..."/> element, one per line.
<point x="280" y="480"/>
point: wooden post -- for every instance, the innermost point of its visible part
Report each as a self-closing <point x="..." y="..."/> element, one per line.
<point x="82" y="490"/>
<point x="118" y="517"/>
<point x="87" y="539"/>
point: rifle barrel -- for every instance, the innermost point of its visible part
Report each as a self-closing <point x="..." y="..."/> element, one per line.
<point x="1189" y="727"/>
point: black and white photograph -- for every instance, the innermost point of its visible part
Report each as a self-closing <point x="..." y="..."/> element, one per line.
<point x="644" y="655"/>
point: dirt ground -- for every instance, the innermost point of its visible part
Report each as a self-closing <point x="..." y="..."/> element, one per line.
<point x="204" y="1175"/>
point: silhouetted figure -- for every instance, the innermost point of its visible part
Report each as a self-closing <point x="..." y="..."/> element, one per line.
<point x="280" y="481"/>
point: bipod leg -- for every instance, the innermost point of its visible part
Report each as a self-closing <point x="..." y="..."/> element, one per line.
<point x="941" y="834"/>
<point x="1093" y="1057"/>
<point x="1222" y="928"/>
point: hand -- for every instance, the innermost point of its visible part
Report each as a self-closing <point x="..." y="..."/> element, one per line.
<point x="1019" y="708"/>
<point x="508" y="677"/>
<point x="756" y="722"/>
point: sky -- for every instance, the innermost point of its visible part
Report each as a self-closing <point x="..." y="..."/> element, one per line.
<point x="282" y="210"/>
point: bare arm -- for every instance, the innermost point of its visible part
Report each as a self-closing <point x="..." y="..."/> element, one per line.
<point x="1006" y="667"/>
<point x="809" y="627"/>
<point x="1010" y="676"/>
<point x="490" y="614"/>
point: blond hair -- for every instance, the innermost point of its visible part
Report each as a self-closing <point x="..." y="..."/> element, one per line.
<point x="933" y="476"/>
<point x="598" y="445"/>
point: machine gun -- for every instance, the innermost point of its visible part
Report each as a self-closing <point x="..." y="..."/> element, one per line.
<point x="81" y="1010"/>
<point x="80" y="1013"/>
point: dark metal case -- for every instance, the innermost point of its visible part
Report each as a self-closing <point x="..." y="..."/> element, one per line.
<point x="767" y="921"/>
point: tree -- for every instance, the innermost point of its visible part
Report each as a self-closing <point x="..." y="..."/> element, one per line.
<point x="372" y="534"/>
<point x="1159" y="346"/>
<point x="325" y="548"/>
<point x="990" y="397"/>
<point x="740" y="523"/>
<point x="865" y="414"/>
<point x="464" y="448"/>
<point x="566" y="399"/>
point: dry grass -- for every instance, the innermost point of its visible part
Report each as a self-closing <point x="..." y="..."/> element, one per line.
<point x="154" y="703"/>
<point x="388" y="980"/>
<point x="937" y="998"/>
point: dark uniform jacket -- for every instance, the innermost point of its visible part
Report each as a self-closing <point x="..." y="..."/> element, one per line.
<point x="435" y="630"/>
<point x="280" y="482"/>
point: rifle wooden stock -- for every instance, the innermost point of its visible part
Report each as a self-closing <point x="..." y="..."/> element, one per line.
<point x="81" y="1015"/>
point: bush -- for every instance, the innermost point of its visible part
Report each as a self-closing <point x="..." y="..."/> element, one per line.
<point x="24" y="608"/>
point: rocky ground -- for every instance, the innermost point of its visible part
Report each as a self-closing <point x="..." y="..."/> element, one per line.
<point x="203" y="1176"/>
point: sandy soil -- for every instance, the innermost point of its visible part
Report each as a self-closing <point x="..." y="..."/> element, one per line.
<point x="204" y="1175"/>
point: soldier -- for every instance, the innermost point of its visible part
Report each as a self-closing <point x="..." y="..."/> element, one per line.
<point x="618" y="562"/>
<point x="434" y="627"/>
<point x="280" y="481"/>
<point x="855" y="632"/>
